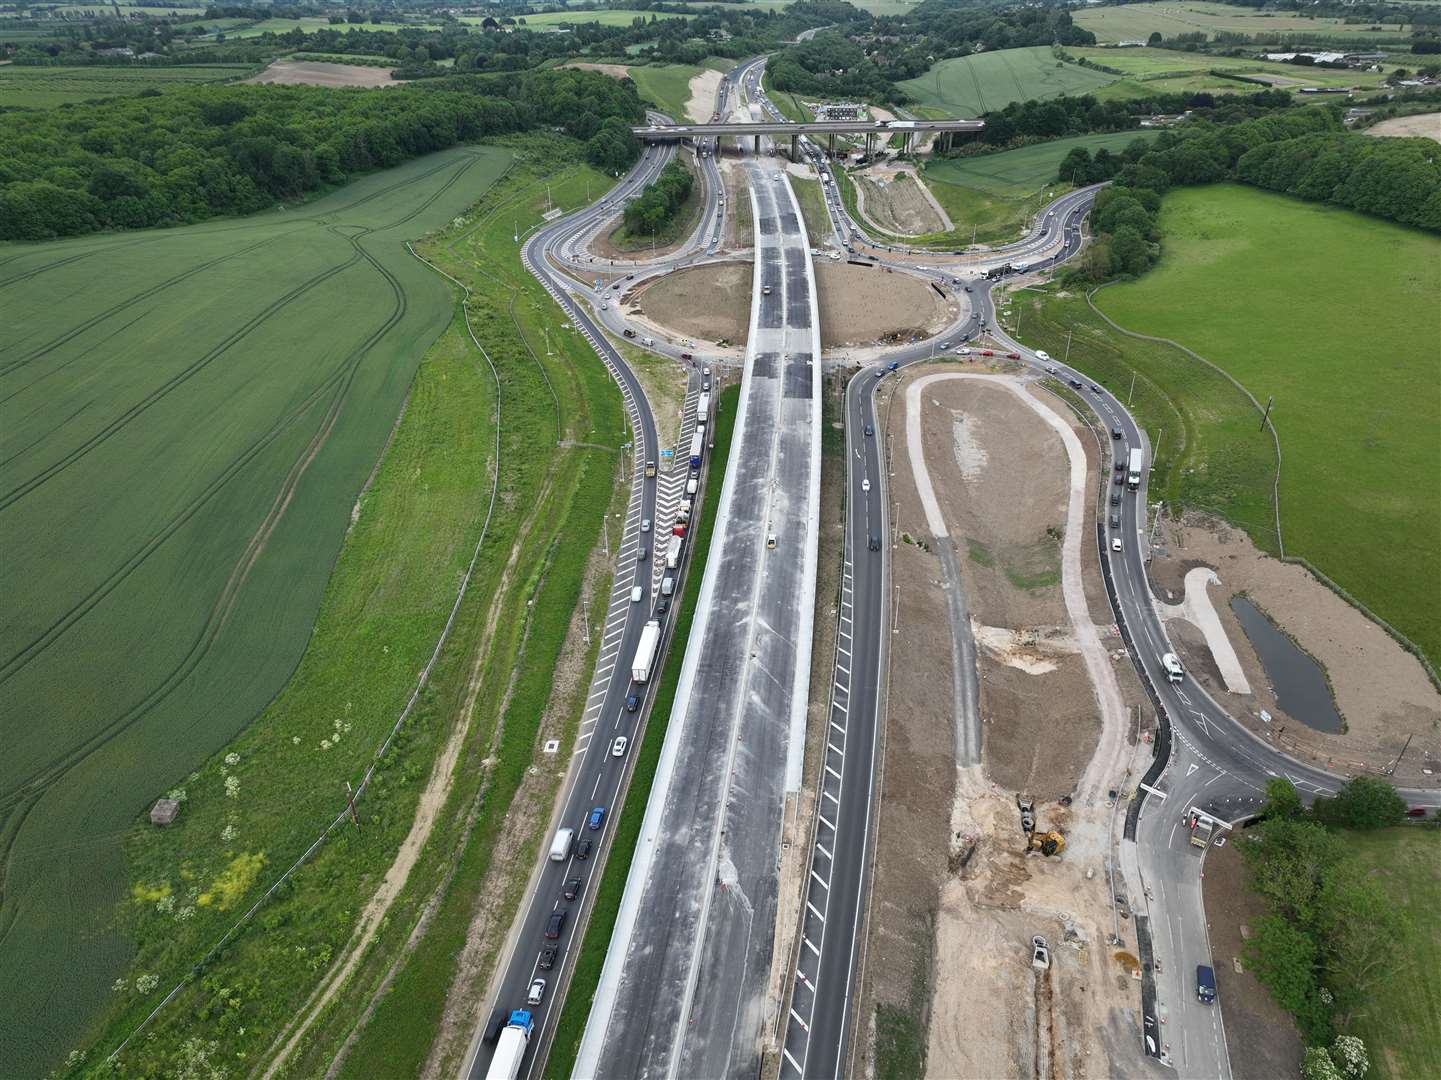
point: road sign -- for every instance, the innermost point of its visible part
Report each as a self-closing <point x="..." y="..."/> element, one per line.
<point x="667" y="453"/>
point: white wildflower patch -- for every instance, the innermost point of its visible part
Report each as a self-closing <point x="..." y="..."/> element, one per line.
<point x="147" y="983"/>
<point x="232" y="787"/>
<point x="228" y="834"/>
<point x="232" y="758"/>
<point x="178" y="794"/>
<point x="119" y="986"/>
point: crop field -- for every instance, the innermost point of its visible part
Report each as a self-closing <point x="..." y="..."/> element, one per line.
<point x="46" y="87"/>
<point x="1136" y="22"/>
<point x="971" y="85"/>
<point x="608" y="17"/>
<point x="312" y="23"/>
<point x="1026" y="170"/>
<point x="189" y="416"/>
<point x="1353" y="364"/>
<point x="1149" y="65"/>
<point x="1402" y="1022"/>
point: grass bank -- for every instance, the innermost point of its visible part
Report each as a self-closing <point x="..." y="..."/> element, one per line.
<point x="668" y="85"/>
<point x="1402" y="1022"/>
<point x="591" y="956"/>
<point x="1335" y="315"/>
<point x="967" y="86"/>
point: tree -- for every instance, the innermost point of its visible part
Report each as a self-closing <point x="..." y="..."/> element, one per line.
<point x="1360" y="934"/>
<point x="1348" y="1053"/>
<point x="1363" y="802"/>
<point x="1288" y="862"/>
<point x="1317" y="1065"/>
<point x="1283" y="801"/>
<point x="1154" y="41"/>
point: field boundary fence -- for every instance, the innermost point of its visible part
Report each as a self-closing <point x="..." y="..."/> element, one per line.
<point x="421" y="682"/>
<point x="1297" y="560"/>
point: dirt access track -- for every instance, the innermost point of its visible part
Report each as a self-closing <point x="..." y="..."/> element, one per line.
<point x="955" y="899"/>
<point x="858" y="306"/>
<point x="314" y="73"/>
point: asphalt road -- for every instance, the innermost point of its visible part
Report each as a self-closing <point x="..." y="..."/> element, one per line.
<point x="684" y="988"/>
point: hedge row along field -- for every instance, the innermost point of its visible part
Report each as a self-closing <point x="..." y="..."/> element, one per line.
<point x="189" y="417"/>
<point x="968" y="86"/>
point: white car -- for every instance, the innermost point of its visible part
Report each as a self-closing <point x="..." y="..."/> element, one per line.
<point x="536" y="993"/>
<point x="617" y="748"/>
<point x="645" y="525"/>
<point x="1115" y="543"/>
<point x="866" y="484"/>
<point x="1043" y="356"/>
<point x="636" y="593"/>
<point x="964" y="350"/>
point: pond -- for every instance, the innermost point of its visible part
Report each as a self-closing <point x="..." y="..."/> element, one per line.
<point x="1299" y="682"/>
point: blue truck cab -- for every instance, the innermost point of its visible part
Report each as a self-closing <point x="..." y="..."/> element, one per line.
<point x="521" y="1019"/>
<point x="1205" y="984"/>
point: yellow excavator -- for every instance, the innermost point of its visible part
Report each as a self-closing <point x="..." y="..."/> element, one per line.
<point x="1047" y="843"/>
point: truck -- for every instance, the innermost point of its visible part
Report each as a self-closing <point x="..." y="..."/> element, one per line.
<point x="1133" y="468"/>
<point x="640" y="668"/>
<point x="1201" y="828"/>
<point x="649" y="469"/>
<point x="672" y="553"/>
<point x="510" y="1047"/>
<point x="697" y="448"/>
<point x="702" y="409"/>
<point x="1205" y="984"/>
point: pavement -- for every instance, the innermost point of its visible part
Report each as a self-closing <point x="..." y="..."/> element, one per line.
<point x="1197" y="609"/>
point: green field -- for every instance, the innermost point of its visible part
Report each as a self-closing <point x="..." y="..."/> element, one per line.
<point x="606" y="17"/>
<point x="1401" y="1025"/>
<point x="189" y="415"/>
<point x="1336" y="315"/>
<point x="971" y="85"/>
<point x="1173" y="68"/>
<point x="1026" y="170"/>
<point x="310" y="24"/>
<point x="46" y="87"/>
<point x="668" y="85"/>
<point x="1136" y="22"/>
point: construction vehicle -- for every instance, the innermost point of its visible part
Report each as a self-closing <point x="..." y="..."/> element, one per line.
<point x="1047" y="843"/>
<point x="1201" y="829"/>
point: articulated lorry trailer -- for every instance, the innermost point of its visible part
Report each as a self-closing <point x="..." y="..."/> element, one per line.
<point x="645" y="652"/>
<point x="510" y="1047"/>
<point x="1133" y="468"/>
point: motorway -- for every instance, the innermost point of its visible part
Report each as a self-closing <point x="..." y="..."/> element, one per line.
<point x="684" y="989"/>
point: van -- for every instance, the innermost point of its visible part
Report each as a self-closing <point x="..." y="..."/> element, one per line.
<point x="1205" y="984"/>
<point x="667" y="585"/>
<point x="690" y="485"/>
<point x="560" y="846"/>
<point x="1172" y="663"/>
<point x="637" y="593"/>
<point x="686" y="506"/>
<point x="647" y="341"/>
<point x="1043" y="356"/>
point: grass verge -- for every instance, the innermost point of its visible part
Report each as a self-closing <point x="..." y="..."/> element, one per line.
<point x="813" y="209"/>
<point x="591" y="957"/>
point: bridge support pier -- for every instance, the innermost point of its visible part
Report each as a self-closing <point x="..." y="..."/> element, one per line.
<point x="758" y="146"/>
<point x="870" y="145"/>
<point x="795" y="148"/>
<point x="833" y="144"/>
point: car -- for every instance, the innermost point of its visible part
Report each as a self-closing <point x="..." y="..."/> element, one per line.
<point x="596" y="819"/>
<point x="1040" y="953"/>
<point x="1115" y="433"/>
<point x="555" y="924"/>
<point x="1043" y="356"/>
<point x="687" y="356"/>
<point x="988" y="352"/>
<point x="604" y="304"/>
<point x="630" y="277"/>
<point x="1095" y="389"/>
<point x="964" y="350"/>
<point x="628" y="332"/>
<point x="947" y="344"/>
<point x="663" y="605"/>
<point x="1121" y="477"/>
<point x="1115" y="521"/>
<point x="770" y="540"/>
<point x="632" y="702"/>
<point x="1076" y="384"/>
<point x="880" y="371"/>
<point x="583" y="849"/>
<point x="536" y="992"/>
<point x="1120" y="465"/>
<point x="968" y="288"/>
<point x="617" y="285"/>
<point x="705" y="371"/>
<point x="894" y="365"/>
<point x="1221" y="840"/>
<point x="870" y="430"/>
<point x="572" y="889"/>
<point x="1053" y="370"/>
<point x="765" y="290"/>
<point x="866" y="484"/>
<point x="705" y="385"/>
<point x="617" y="748"/>
<point x="547" y="957"/>
<point x="1116" y="499"/>
<point x="1013" y="356"/>
<point x="645" y="525"/>
<point x="642" y="554"/>
<point x="1115" y="543"/>
<point x="636" y="593"/>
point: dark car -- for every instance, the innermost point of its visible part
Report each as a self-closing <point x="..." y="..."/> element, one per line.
<point x="1075" y="384"/>
<point x="495" y="1025"/>
<point x="1116" y="499"/>
<point x="1115" y="521"/>
<point x="1120" y="466"/>
<point x="875" y="542"/>
<point x="547" y="957"/>
<point x="583" y="849"/>
<point x="968" y="288"/>
<point x="572" y="889"/>
<point x="1095" y="389"/>
<point x="870" y="430"/>
<point x="632" y="703"/>
<point x="628" y="332"/>
<point x="1115" y="433"/>
<point x="596" y="819"/>
<point x="893" y="365"/>
<point x="687" y="356"/>
<point x="662" y="607"/>
<point x="555" y="924"/>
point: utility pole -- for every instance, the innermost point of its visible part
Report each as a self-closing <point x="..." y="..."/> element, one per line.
<point x="1132" y="390"/>
<point x="1265" y="416"/>
<point x="350" y="805"/>
<point x="585" y="617"/>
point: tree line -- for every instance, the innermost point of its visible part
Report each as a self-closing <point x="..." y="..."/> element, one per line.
<point x="1331" y="934"/>
<point x="656" y="207"/>
<point x="204" y="151"/>
<point x="1301" y="152"/>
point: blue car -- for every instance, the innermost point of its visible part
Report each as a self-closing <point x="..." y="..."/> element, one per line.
<point x="596" y="817"/>
<point x="893" y="365"/>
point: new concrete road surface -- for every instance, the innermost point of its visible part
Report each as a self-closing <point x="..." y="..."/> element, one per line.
<point x="683" y="991"/>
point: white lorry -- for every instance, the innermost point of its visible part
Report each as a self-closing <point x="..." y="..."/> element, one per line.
<point x="640" y="668"/>
<point x="510" y="1047"/>
<point x="1133" y="468"/>
<point x="672" y="553"/>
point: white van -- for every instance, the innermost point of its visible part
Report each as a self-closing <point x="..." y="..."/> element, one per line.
<point x="1172" y="663"/>
<point x="647" y="341"/>
<point x="560" y="846"/>
<point x="691" y="486"/>
<point x="1043" y="356"/>
<point x="636" y="593"/>
<point x="667" y="585"/>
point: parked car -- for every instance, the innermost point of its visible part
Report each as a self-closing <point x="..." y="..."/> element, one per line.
<point x="1013" y="356"/>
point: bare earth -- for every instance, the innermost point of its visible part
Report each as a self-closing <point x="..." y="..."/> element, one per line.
<point x="315" y="73"/>
<point x="1427" y="125"/>
<point x="615" y="71"/>
<point x="1381" y="690"/>
<point x="858" y="306"/>
<point x="895" y="202"/>
<point x="703" y="88"/>
<point x="955" y="898"/>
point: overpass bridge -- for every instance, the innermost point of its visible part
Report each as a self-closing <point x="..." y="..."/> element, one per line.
<point x="871" y="129"/>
